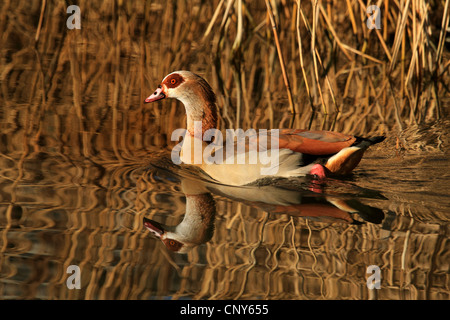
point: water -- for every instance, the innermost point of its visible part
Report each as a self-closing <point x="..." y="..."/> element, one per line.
<point x="277" y="240"/>
<point x="84" y="164"/>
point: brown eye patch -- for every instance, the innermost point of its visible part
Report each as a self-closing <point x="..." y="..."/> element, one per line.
<point x="174" y="80"/>
<point x="172" y="244"/>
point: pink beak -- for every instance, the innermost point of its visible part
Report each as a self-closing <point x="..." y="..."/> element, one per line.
<point x="154" y="227"/>
<point x="157" y="95"/>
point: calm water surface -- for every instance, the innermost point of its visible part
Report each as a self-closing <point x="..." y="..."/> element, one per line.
<point x="283" y="239"/>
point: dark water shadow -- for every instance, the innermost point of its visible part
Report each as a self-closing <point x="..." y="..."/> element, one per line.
<point x="330" y="201"/>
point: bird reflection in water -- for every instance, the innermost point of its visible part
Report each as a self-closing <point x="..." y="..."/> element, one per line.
<point x="197" y="226"/>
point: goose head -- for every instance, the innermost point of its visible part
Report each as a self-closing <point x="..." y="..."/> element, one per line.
<point x="168" y="237"/>
<point x="194" y="92"/>
<point x="196" y="228"/>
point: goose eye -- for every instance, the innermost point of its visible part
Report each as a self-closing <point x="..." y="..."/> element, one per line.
<point x="173" y="81"/>
<point x="172" y="243"/>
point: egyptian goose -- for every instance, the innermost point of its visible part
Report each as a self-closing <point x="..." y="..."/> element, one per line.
<point x="197" y="226"/>
<point x="299" y="152"/>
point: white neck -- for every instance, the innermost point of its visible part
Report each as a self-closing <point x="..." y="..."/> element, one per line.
<point x="198" y="223"/>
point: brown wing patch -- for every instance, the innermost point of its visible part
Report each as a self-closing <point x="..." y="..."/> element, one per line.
<point x="315" y="142"/>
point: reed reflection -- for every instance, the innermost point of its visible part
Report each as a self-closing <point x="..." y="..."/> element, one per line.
<point x="197" y="226"/>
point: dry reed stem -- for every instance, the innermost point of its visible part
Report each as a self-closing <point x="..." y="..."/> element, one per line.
<point x="352" y="17"/>
<point x="280" y="56"/>
<point x="331" y="28"/>
<point x="239" y="28"/>
<point x="214" y="18"/>
<point x="415" y="51"/>
<point x="399" y="35"/>
<point x="313" y="52"/>
<point x="442" y="36"/>
<point x="381" y="38"/>
<point x="300" y="50"/>
<point x="364" y="55"/>
<point x="41" y="17"/>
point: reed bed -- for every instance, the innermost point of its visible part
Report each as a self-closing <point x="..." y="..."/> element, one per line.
<point x="75" y="137"/>
<point x="338" y="74"/>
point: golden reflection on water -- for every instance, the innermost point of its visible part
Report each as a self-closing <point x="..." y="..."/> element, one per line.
<point x="63" y="212"/>
<point x="78" y="159"/>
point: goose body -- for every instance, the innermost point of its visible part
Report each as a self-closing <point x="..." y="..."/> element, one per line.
<point x="295" y="152"/>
